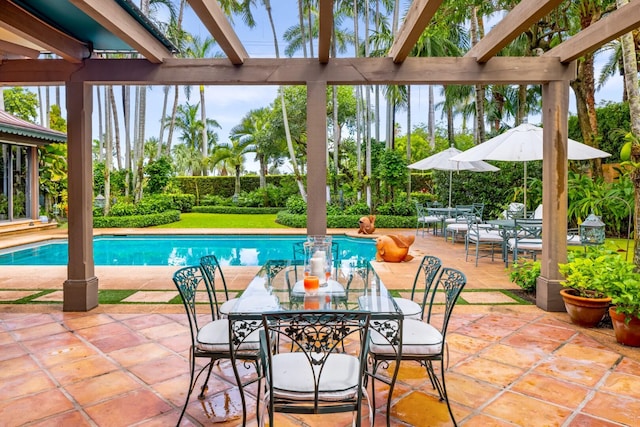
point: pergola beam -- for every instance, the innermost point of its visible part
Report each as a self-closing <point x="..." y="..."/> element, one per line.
<point x="17" y="49"/>
<point x="417" y="19"/>
<point x="34" y="30"/>
<point x="214" y="19"/>
<point x="326" y="29"/>
<point x="291" y="71"/>
<point x="511" y="26"/>
<point x="614" y="25"/>
<point x="115" y="19"/>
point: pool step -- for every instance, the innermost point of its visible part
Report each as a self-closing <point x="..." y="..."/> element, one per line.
<point x="12" y="228"/>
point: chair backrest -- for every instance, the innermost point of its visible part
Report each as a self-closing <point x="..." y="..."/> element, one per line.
<point x="478" y="210"/>
<point x="211" y="269"/>
<point x="187" y="280"/>
<point x="419" y="210"/>
<point x="537" y="214"/>
<point x="451" y="282"/>
<point x="315" y="335"/>
<point x="514" y="210"/>
<point x="527" y="228"/>
<point x="427" y="271"/>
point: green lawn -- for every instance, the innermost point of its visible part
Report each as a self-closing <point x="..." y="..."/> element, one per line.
<point x="206" y="220"/>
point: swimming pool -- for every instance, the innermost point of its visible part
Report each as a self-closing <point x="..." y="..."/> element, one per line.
<point x="154" y="250"/>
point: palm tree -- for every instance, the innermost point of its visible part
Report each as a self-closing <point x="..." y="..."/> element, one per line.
<point x="200" y="49"/>
<point x="255" y="129"/>
<point x="233" y="155"/>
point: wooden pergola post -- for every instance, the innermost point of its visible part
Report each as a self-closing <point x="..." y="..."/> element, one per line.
<point x="81" y="287"/>
<point x="555" y="113"/>
<point x="316" y="157"/>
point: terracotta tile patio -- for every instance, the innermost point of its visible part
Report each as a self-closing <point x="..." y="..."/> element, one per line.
<point x="126" y="365"/>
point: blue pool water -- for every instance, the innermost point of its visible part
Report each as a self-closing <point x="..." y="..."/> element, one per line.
<point x="240" y="250"/>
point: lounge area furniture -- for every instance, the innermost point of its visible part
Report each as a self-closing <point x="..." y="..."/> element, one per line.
<point x="212" y="273"/>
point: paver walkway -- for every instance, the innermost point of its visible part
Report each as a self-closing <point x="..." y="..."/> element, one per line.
<point x="126" y="364"/>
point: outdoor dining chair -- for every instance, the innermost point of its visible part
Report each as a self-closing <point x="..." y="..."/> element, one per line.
<point x="526" y="240"/>
<point x="306" y="370"/>
<point x="427" y="271"/>
<point x="425" y="220"/>
<point x="481" y="238"/>
<point x="211" y="268"/>
<point x="423" y="341"/>
<point x="211" y="339"/>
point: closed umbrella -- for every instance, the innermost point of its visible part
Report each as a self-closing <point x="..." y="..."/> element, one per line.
<point x="523" y="143"/>
<point x="442" y="161"/>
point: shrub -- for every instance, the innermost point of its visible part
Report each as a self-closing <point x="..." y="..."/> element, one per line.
<point x="360" y="208"/>
<point x="215" y="200"/>
<point x="525" y="273"/>
<point x="136" y="221"/>
<point x="296" y="205"/>
<point x="397" y="208"/>
<point x="235" y="210"/>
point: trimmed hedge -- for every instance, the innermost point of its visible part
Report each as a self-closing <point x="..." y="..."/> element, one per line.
<point x="234" y="210"/>
<point x="347" y="221"/>
<point x="136" y="221"/>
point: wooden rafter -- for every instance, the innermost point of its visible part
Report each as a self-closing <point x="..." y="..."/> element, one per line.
<point x="293" y="71"/>
<point x="115" y="19"/>
<point x="218" y="25"/>
<point x="416" y="20"/>
<point x="326" y="29"/>
<point x="17" y="49"/>
<point x="614" y="25"/>
<point x="28" y="27"/>
<point x="521" y="17"/>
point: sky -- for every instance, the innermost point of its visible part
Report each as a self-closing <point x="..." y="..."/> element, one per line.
<point x="229" y="104"/>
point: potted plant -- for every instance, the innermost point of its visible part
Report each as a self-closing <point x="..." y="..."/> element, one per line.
<point x="625" y="311"/>
<point x="587" y="275"/>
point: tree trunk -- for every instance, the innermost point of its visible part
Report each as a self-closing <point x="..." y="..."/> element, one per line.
<point x="285" y="120"/>
<point x="409" y="139"/>
<point x="432" y="118"/>
<point x="100" y="125"/>
<point x="584" y="90"/>
<point x="630" y="65"/>
<point x="479" y="89"/>
<point x="521" y="112"/>
<point x="205" y="139"/>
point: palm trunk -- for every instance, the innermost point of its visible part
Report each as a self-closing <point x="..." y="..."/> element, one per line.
<point x="630" y="65"/>
<point x="205" y="139"/>
<point x="479" y="89"/>
<point x="285" y="120"/>
<point x="100" y="125"/>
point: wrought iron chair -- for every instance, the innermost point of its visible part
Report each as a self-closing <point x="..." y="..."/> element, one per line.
<point x="422" y="341"/>
<point x="211" y="268"/>
<point x="305" y="369"/>
<point x="211" y="339"/>
<point x="427" y="271"/>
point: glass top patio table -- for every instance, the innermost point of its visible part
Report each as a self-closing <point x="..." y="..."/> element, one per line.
<point x="279" y="285"/>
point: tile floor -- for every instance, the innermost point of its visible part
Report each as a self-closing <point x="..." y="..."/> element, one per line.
<point x="126" y="365"/>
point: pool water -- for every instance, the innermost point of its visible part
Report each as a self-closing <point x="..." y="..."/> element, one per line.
<point x="147" y="250"/>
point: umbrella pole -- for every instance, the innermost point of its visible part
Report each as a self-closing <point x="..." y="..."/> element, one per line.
<point x="525" y="189"/>
<point x="450" y="180"/>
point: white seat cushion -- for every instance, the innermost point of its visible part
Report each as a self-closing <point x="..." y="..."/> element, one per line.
<point x="214" y="336"/>
<point x="418" y="338"/>
<point x="458" y="226"/>
<point x="485" y="235"/>
<point x="293" y="376"/>
<point x="409" y="309"/>
<point x="526" y="244"/>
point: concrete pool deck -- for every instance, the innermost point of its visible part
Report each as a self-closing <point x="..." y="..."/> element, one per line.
<point x="155" y="283"/>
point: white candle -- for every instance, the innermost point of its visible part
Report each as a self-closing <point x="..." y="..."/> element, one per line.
<point x="317" y="267"/>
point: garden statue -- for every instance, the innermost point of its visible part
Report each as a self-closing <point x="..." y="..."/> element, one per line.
<point x="367" y="224"/>
<point x="394" y="247"/>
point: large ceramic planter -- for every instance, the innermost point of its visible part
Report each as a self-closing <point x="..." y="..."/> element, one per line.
<point x="626" y="333"/>
<point x="585" y="312"/>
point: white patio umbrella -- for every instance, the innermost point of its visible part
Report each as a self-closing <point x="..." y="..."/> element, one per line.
<point x="523" y="143"/>
<point x="442" y="161"/>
